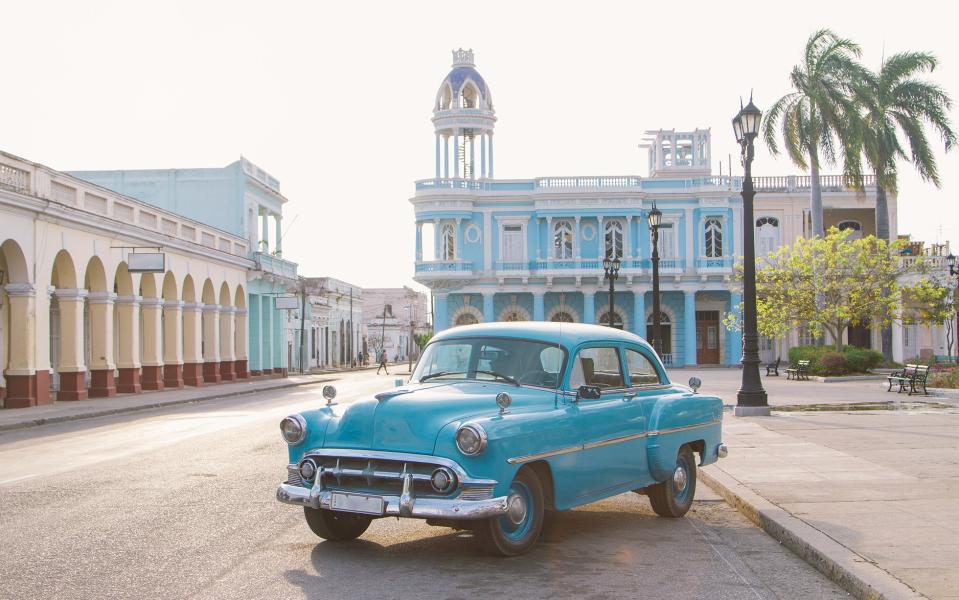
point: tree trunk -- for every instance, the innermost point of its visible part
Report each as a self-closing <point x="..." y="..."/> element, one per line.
<point x="815" y="198"/>
<point x="882" y="232"/>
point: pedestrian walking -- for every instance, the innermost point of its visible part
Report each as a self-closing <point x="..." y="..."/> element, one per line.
<point x="382" y="363"/>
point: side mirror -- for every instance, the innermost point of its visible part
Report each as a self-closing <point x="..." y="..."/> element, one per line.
<point x="588" y="392"/>
<point x="695" y="383"/>
<point x="329" y="392"/>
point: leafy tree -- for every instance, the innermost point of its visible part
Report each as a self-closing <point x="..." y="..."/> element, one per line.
<point x="830" y="283"/>
<point x="422" y="339"/>
<point x="930" y="302"/>
<point x="819" y="119"/>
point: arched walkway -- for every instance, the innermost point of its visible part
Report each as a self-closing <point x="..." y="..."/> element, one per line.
<point x="126" y="327"/>
<point x="172" y="333"/>
<point x="192" y="335"/>
<point x="21" y="385"/>
<point x="98" y="330"/>
<point x="240" y="360"/>
<point x="67" y="309"/>
<point x="211" y="334"/>
<point x="227" y="372"/>
<point x="151" y="334"/>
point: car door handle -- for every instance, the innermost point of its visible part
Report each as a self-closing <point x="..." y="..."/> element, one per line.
<point x="629" y="396"/>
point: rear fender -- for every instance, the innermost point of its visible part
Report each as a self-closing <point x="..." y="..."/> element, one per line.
<point x="679" y="420"/>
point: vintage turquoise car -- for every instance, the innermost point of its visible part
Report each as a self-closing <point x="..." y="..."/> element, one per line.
<point x="499" y="424"/>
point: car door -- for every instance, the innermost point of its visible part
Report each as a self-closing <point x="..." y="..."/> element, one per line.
<point x="612" y="427"/>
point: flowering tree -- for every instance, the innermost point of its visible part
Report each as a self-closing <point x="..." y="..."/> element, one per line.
<point x="930" y="302"/>
<point x="830" y="283"/>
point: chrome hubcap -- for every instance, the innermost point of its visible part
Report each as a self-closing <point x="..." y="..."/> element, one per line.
<point x="679" y="479"/>
<point x="516" y="511"/>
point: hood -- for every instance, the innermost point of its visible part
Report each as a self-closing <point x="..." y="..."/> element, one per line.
<point x="408" y="419"/>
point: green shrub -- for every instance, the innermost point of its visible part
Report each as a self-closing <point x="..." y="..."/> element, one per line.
<point x="859" y="360"/>
<point x="945" y="379"/>
<point x="832" y="363"/>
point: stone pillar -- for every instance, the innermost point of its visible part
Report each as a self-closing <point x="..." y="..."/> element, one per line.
<point x="691" y="242"/>
<point x="628" y="238"/>
<point x="491" y="155"/>
<point x="446" y="156"/>
<point x="240" y="345"/>
<point x="102" y="384"/>
<point x="72" y="370"/>
<point x="735" y="351"/>
<point x="589" y="306"/>
<point x="539" y="306"/>
<point x="576" y="240"/>
<point x="419" y="241"/>
<point x="278" y="219"/>
<point x="457" y="251"/>
<point x="173" y="343"/>
<point x="128" y="350"/>
<point x="897" y="340"/>
<point x="639" y="313"/>
<point x="279" y="342"/>
<point x="25" y="385"/>
<point x="211" y="343"/>
<point x="437" y="156"/>
<point x="456" y="154"/>
<point x="151" y="375"/>
<point x="440" y="316"/>
<point x="483" y="155"/>
<point x="264" y="233"/>
<point x="266" y="334"/>
<point x="472" y="158"/>
<point x="192" y="344"/>
<point x="227" y="369"/>
<point x="488" y="315"/>
<point x="689" y="328"/>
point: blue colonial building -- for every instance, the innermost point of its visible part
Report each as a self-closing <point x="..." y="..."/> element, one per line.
<point x="533" y="248"/>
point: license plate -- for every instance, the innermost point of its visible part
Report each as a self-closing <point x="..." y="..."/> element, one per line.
<point x="357" y="503"/>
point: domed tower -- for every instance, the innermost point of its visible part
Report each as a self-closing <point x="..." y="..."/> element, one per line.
<point x="463" y="117"/>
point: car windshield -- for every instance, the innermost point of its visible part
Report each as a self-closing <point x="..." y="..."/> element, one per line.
<point x="520" y="362"/>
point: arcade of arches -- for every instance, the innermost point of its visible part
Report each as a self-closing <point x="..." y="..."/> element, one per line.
<point x="88" y="327"/>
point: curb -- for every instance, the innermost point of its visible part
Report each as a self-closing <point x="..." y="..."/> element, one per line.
<point x="129" y="409"/>
<point x="854" y="573"/>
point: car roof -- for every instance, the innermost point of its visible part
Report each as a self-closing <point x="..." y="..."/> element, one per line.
<point x="564" y="334"/>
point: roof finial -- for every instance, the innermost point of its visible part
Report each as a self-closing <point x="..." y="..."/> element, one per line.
<point x="463" y="58"/>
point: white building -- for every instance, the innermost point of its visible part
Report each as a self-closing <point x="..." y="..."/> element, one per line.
<point x="336" y="334"/>
<point x="393" y="316"/>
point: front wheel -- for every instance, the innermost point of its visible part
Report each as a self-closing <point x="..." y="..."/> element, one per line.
<point x="335" y="526"/>
<point x="517" y="531"/>
<point x="673" y="497"/>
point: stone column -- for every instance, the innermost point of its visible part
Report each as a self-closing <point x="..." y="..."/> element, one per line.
<point x="102" y="384"/>
<point x="441" y="316"/>
<point x="576" y="240"/>
<point x="419" y="241"/>
<point x="128" y="351"/>
<point x="491" y="155"/>
<point x="456" y="154"/>
<point x="240" y="344"/>
<point x="151" y="374"/>
<point x="628" y="238"/>
<point x="483" y="155"/>
<point x="488" y="315"/>
<point x="639" y="313"/>
<point x="457" y="251"/>
<point x="539" y="306"/>
<point x="437" y="156"/>
<point x="446" y="156"/>
<point x="25" y="385"/>
<point x="278" y="219"/>
<point x="192" y="344"/>
<point x="264" y="233"/>
<point x="173" y="343"/>
<point x="72" y="370"/>
<point x="691" y="242"/>
<point x="211" y="343"/>
<point x="735" y="351"/>
<point x="266" y="334"/>
<point x="589" y="307"/>
<point x="227" y="370"/>
<point x="689" y="328"/>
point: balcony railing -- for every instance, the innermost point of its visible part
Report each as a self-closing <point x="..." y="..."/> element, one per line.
<point x="275" y="265"/>
<point x="724" y="262"/>
<point x="666" y="264"/>
<point x="798" y="183"/>
<point x="444" y="266"/>
<point x="513" y="265"/>
<point x="15" y="179"/>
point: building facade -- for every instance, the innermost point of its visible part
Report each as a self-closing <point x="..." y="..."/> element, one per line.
<point x="76" y="318"/>
<point x="338" y="335"/>
<point x="532" y="249"/>
<point x="393" y="316"/>
<point x="244" y="200"/>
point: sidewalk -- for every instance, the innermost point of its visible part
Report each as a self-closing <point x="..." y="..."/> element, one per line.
<point x="17" y="418"/>
<point x="868" y="497"/>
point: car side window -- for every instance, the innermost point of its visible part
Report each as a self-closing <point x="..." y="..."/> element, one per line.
<point x="641" y="369"/>
<point x="597" y="366"/>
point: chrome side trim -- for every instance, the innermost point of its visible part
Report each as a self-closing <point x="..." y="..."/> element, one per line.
<point x="540" y="455"/>
<point x="615" y="440"/>
<point x="684" y="427"/>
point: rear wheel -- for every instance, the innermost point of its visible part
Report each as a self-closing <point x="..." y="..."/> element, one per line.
<point x="673" y="497"/>
<point x="335" y="526"/>
<point x="517" y="531"/>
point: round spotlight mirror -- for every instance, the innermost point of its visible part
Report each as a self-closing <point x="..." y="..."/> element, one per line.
<point x="329" y="392"/>
<point x="503" y="401"/>
<point x="695" y="383"/>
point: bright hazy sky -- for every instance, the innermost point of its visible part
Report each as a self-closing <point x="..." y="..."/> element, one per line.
<point x="335" y="98"/>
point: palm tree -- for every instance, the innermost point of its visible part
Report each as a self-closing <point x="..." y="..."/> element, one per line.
<point x="820" y="118"/>
<point x="901" y="102"/>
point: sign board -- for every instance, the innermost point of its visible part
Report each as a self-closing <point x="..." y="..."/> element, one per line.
<point x="146" y="262"/>
<point x="287" y="303"/>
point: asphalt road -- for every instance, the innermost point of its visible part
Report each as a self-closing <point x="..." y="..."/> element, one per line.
<point x="179" y="503"/>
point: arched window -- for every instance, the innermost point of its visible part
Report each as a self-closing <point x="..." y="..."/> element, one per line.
<point x="466" y="319"/>
<point x="562" y="239"/>
<point x="513" y="315"/>
<point x="562" y="317"/>
<point x="767" y="235"/>
<point x="449" y="241"/>
<point x="666" y="332"/>
<point x="854" y="226"/>
<point x="713" y="240"/>
<point x="470" y="96"/>
<point x="617" y="318"/>
<point x="614" y="238"/>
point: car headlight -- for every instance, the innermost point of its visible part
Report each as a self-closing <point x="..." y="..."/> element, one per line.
<point x="293" y="429"/>
<point x="471" y="439"/>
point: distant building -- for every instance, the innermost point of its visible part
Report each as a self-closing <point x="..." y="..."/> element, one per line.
<point x="336" y="334"/>
<point x="392" y="317"/>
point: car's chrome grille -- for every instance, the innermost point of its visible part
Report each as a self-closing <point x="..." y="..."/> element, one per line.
<point x="293" y="475"/>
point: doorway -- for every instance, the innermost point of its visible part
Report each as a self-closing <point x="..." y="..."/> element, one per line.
<point x="860" y="336"/>
<point x="707" y="337"/>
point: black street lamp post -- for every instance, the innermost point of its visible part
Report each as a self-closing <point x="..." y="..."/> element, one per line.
<point x="953" y="272"/>
<point x="611" y="274"/>
<point x="655" y="218"/>
<point x="751" y="399"/>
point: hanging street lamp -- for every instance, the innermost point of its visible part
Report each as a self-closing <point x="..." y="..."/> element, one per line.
<point x="611" y="274"/>
<point x="751" y="399"/>
<point x="655" y="219"/>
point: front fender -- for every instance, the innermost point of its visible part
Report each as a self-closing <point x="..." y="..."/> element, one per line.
<point x="676" y="420"/>
<point x="317" y="422"/>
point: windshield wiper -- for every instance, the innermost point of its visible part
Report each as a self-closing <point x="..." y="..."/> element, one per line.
<point x="500" y="376"/>
<point x="440" y="374"/>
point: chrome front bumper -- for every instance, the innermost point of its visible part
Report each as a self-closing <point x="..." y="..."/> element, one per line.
<point x="404" y="505"/>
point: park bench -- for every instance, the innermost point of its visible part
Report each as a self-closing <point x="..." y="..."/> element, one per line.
<point x="912" y="378"/>
<point x="773" y="368"/>
<point x="798" y="371"/>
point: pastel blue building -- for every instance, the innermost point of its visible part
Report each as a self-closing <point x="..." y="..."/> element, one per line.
<point x="242" y="199"/>
<point x="532" y="249"/>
